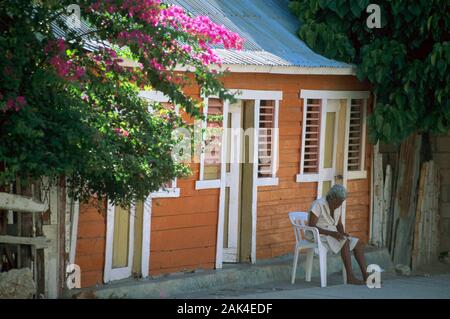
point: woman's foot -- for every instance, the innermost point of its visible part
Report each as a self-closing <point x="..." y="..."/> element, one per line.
<point x="355" y="281"/>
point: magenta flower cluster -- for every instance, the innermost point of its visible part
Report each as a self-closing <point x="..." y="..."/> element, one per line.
<point x="15" y="104"/>
<point x="120" y="131"/>
<point x="63" y="66"/>
<point x="152" y="12"/>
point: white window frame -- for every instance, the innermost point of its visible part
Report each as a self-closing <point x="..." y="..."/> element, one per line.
<point x="201" y="183"/>
<point x="273" y="180"/>
<point x="324" y="96"/>
<point x="257" y="96"/>
<point x="159" y="97"/>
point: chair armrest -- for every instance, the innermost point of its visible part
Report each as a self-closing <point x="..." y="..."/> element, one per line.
<point x="314" y="230"/>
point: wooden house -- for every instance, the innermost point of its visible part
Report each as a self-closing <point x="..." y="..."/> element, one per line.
<point x="304" y="123"/>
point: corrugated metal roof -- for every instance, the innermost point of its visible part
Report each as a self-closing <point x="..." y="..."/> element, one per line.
<point x="90" y="41"/>
<point x="267" y="26"/>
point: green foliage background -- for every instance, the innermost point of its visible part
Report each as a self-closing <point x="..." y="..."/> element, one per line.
<point x="407" y="60"/>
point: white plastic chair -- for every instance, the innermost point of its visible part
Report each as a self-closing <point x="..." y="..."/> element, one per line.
<point x="299" y="221"/>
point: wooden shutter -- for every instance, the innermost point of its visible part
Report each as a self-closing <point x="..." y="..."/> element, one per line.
<point x="355" y="135"/>
<point x="311" y="143"/>
<point x="266" y="138"/>
<point x="213" y="139"/>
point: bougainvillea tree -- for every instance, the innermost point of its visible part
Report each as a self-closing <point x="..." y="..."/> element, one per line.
<point x="69" y="102"/>
<point x="407" y="59"/>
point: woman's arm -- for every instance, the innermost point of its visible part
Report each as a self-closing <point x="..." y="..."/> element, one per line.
<point x="340" y="227"/>
<point x="313" y="222"/>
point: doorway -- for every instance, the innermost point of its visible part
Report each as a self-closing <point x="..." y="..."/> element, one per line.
<point x="127" y="241"/>
<point x="237" y="235"/>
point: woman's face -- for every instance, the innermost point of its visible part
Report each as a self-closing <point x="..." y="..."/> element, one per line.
<point x="335" y="203"/>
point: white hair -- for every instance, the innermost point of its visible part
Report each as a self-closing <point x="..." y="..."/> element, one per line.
<point x="337" y="192"/>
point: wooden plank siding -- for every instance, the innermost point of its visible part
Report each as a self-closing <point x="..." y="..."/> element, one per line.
<point x="184" y="229"/>
<point x="90" y="251"/>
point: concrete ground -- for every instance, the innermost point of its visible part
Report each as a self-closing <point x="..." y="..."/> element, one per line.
<point x="430" y="283"/>
<point x="270" y="279"/>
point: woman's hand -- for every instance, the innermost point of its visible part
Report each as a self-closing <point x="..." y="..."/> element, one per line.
<point x="338" y="235"/>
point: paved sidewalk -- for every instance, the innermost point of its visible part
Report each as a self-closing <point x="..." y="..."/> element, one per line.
<point x="393" y="287"/>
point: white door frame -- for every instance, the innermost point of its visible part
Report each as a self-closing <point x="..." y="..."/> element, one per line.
<point x="232" y="181"/>
<point x="256" y="96"/>
<point x="111" y="273"/>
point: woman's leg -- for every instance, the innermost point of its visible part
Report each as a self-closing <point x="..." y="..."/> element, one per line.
<point x="347" y="259"/>
<point x="361" y="259"/>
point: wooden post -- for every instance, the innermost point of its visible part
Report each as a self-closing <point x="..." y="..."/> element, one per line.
<point x="386" y="205"/>
<point x="62" y="233"/>
<point x="418" y="238"/>
<point x="405" y="199"/>
<point x="377" y="197"/>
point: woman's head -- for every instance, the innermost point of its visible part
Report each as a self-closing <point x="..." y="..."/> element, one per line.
<point x="336" y="196"/>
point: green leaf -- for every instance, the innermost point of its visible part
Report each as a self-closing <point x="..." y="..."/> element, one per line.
<point x="433" y="58"/>
<point x="355" y="8"/>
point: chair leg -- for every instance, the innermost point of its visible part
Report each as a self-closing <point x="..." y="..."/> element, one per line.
<point x="344" y="274"/>
<point x="294" y="266"/>
<point x="309" y="264"/>
<point x="323" y="268"/>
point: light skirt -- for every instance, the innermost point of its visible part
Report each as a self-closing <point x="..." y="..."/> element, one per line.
<point x="335" y="245"/>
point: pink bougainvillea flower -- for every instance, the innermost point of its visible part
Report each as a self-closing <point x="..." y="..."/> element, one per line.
<point x="79" y="72"/>
<point x="121" y="131"/>
<point x="20" y="100"/>
<point x="10" y="104"/>
<point x="15" y="104"/>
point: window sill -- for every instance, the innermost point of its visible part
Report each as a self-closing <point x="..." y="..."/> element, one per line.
<point x="208" y="184"/>
<point x="307" y="178"/>
<point x="267" y="181"/>
<point x="168" y="193"/>
<point x="357" y="175"/>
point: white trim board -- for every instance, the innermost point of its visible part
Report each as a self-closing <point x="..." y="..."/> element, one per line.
<point x="244" y="94"/>
<point x="74" y="231"/>
<point x="221" y="217"/>
<point x="325" y="94"/>
<point x="146" y="231"/>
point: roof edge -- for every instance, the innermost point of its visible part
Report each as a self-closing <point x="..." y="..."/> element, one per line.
<point x="274" y="69"/>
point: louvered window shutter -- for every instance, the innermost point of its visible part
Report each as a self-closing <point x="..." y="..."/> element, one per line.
<point x="266" y="138"/>
<point x="213" y="139"/>
<point x="355" y="135"/>
<point x="311" y="143"/>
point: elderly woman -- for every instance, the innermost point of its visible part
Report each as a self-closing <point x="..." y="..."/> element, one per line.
<point x="325" y="215"/>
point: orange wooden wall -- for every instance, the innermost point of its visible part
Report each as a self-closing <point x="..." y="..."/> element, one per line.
<point x="91" y="239"/>
<point x="184" y="229"/>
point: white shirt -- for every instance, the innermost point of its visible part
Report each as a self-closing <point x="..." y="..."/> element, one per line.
<point x="328" y="220"/>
